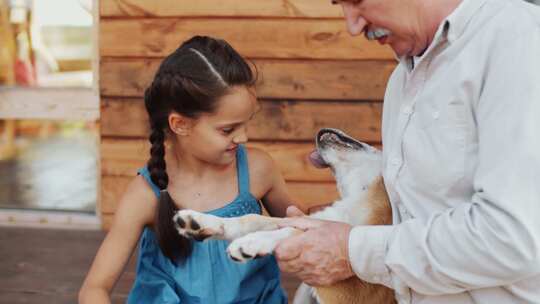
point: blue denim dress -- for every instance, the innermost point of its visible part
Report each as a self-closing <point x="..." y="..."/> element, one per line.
<point x="208" y="275"/>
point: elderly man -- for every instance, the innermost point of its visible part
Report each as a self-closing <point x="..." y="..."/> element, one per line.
<point x="461" y="159"/>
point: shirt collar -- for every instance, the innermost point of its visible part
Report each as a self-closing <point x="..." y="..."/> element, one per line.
<point x="459" y="19"/>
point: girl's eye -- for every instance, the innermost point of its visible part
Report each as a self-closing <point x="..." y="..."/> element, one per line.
<point x="227" y="130"/>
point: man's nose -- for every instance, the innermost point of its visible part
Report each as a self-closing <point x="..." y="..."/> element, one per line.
<point x="355" y="22"/>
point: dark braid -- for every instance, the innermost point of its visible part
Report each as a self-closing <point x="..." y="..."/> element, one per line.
<point x="188" y="82"/>
<point x="156" y="163"/>
<point x="172" y="244"/>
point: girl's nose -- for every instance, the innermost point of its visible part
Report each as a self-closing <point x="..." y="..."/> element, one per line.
<point x="241" y="136"/>
<point x="355" y="22"/>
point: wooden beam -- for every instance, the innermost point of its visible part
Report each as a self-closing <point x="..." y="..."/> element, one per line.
<point x="95" y="43"/>
<point x="8" y="148"/>
<point x="261" y="38"/>
<point x="283" y="79"/>
<point x="221" y="8"/>
<point x="277" y="120"/>
<point x="49" y="103"/>
<point x="122" y="157"/>
<point x="304" y="194"/>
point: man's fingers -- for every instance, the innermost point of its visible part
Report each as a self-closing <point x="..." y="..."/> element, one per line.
<point x="289" y="248"/>
<point x="302" y="223"/>
<point x="294" y="211"/>
<point x="290" y="266"/>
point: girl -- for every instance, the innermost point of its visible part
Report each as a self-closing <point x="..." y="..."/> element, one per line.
<point x="200" y="101"/>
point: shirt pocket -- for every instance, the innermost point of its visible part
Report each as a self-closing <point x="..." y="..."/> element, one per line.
<point x="435" y="144"/>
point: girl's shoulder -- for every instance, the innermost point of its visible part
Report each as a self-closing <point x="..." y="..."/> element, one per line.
<point x="261" y="168"/>
<point x="259" y="161"/>
<point x="138" y="202"/>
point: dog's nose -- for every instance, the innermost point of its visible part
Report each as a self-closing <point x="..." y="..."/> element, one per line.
<point x="326" y="135"/>
<point x="329" y="137"/>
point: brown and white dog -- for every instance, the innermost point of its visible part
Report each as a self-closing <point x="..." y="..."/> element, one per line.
<point x="357" y="169"/>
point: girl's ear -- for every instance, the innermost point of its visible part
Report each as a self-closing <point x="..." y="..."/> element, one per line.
<point x="179" y="124"/>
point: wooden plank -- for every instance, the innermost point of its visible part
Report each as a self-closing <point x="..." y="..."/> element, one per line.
<point x="221" y="8"/>
<point x="49" y="103"/>
<point x="284" y="79"/>
<point x="122" y="157"/>
<point x="277" y="120"/>
<point x="95" y="43"/>
<point x="304" y="194"/>
<point x="112" y="188"/>
<point x="345" y="80"/>
<point x="8" y="147"/>
<point x="261" y="38"/>
<point x="34" y="276"/>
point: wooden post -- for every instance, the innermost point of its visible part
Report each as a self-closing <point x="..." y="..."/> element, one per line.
<point x="7" y="47"/>
<point x="7" y="77"/>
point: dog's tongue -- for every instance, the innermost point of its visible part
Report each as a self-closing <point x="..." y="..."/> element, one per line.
<point x="317" y="160"/>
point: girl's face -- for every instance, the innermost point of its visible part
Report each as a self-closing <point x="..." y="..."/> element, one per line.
<point x="214" y="137"/>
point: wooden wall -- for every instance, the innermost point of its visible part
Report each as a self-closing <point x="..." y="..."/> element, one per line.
<point x="313" y="75"/>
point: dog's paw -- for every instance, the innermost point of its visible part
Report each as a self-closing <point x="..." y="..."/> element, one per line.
<point x="197" y="225"/>
<point x="252" y="246"/>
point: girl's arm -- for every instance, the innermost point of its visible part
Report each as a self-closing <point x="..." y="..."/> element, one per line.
<point x="136" y="209"/>
<point x="269" y="182"/>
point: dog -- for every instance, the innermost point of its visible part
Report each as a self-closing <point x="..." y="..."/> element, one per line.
<point x="364" y="201"/>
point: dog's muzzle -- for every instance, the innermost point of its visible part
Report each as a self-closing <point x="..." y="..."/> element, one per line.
<point x="333" y="138"/>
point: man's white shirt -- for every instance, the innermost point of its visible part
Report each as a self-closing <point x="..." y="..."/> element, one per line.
<point x="461" y="163"/>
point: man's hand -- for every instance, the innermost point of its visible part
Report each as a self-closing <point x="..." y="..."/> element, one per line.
<point x="319" y="256"/>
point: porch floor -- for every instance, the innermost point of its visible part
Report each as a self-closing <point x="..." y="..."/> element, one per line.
<point x="49" y="265"/>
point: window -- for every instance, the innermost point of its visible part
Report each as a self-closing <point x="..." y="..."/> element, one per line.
<point x="49" y="105"/>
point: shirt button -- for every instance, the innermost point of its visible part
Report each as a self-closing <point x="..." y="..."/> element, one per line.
<point x="436" y="115"/>
<point x="395" y="161"/>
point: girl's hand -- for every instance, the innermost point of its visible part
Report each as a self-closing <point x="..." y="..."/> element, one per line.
<point x="293" y="211"/>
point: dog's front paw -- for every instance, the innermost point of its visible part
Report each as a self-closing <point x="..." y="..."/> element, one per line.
<point x="197" y="225"/>
<point x="252" y="246"/>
